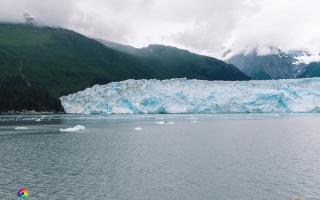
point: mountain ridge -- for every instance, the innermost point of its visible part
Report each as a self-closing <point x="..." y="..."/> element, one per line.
<point x="61" y="61"/>
<point x="157" y="56"/>
<point x="285" y="65"/>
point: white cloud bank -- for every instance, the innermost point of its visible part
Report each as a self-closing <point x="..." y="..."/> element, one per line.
<point x="201" y="26"/>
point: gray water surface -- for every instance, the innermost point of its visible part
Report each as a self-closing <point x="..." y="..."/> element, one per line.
<point x="216" y="157"/>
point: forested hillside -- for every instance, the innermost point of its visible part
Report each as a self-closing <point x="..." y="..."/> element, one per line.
<point x="16" y="95"/>
<point x="178" y="63"/>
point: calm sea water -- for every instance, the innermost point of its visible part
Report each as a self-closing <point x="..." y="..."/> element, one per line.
<point x="197" y="157"/>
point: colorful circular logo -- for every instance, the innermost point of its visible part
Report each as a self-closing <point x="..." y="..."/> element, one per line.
<point x="22" y="193"/>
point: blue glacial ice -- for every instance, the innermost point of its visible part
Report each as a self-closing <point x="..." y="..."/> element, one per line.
<point x="197" y="96"/>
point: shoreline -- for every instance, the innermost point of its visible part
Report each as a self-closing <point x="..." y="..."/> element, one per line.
<point x="32" y="112"/>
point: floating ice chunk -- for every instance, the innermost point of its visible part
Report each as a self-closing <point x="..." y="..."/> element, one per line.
<point x="76" y="128"/>
<point x="20" y="128"/>
<point x="193" y="121"/>
<point x="38" y="120"/>
<point x="164" y="122"/>
<point x="138" y="129"/>
<point x="156" y="118"/>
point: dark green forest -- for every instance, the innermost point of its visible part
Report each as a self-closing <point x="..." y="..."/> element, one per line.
<point x="15" y="94"/>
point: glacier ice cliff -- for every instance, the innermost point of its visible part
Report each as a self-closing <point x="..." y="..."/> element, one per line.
<point x="197" y="96"/>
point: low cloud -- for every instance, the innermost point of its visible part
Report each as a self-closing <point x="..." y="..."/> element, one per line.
<point x="200" y="26"/>
<point x="282" y="24"/>
<point x="263" y="51"/>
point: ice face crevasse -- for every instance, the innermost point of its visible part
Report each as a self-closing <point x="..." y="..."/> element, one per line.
<point x="197" y="96"/>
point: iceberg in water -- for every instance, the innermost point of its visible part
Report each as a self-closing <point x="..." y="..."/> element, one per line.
<point x="197" y="96"/>
<point x="21" y="128"/>
<point x="164" y="122"/>
<point x="76" y="128"/>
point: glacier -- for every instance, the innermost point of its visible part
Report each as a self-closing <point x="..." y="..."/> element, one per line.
<point x="197" y="96"/>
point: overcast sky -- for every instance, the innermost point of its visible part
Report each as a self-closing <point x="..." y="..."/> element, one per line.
<point x="201" y="26"/>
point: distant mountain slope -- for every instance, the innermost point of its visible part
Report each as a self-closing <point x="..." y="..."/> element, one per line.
<point x="121" y="47"/>
<point x="61" y="61"/>
<point x="281" y="66"/>
<point x="177" y="63"/>
<point x="312" y="70"/>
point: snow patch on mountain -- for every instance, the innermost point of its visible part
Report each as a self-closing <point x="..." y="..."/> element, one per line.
<point x="197" y="96"/>
<point x="306" y="59"/>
